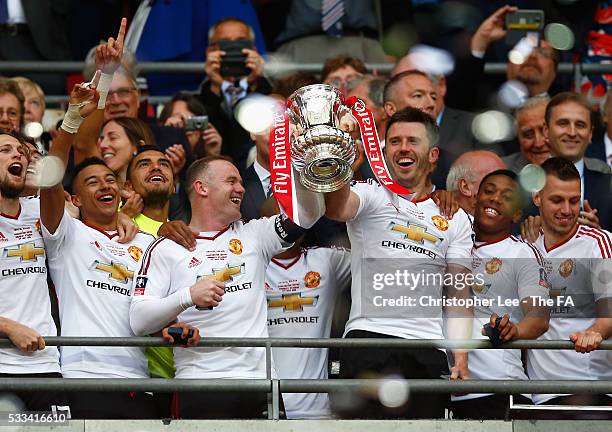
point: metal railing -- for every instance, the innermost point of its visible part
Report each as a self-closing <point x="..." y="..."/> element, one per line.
<point x="271" y="67"/>
<point x="274" y="387"/>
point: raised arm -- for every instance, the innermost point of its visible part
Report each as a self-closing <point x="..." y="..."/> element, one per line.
<point x="108" y="59"/>
<point x="341" y="205"/>
<point x="83" y="102"/>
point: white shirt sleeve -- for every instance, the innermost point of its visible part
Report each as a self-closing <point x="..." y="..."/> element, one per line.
<point x="153" y="306"/>
<point x="460" y="249"/>
<point x="367" y="193"/>
<point x="341" y="267"/>
<point x="264" y="233"/>
<point x="55" y="243"/>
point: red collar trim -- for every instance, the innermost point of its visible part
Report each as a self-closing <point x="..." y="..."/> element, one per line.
<point x="420" y="200"/>
<point x="12" y="217"/>
<point x="562" y="242"/>
<point x="288" y="265"/>
<point x="492" y="241"/>
<point x="215" y="236"/>
<point x="103" y="231"/>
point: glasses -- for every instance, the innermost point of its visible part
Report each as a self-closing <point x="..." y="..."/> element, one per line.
<point x="11" y="114"/>
<point x="122" y="92"/>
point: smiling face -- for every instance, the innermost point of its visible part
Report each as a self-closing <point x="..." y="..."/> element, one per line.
<point x="115" y="147"/>
<point x="497" y="206"/>
<point x="151" y="177"/>
<point x="223" y="190"/>
<point x="96" y="194"/>
<point x="13" y="166"/>
<point x="559" y="204"/>
<point x="569" y="130"/>
<point x="408" y="154"/>
<point x="530" y="129"/>
<point x="123" y="99"/>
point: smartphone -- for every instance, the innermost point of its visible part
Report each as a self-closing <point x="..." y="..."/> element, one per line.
<point x="177" y="335"/>
<point x="531" y="20"/>
<point x="196" y="123"/>
<point x="233" y="62"/>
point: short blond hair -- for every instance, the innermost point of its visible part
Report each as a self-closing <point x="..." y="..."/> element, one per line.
<point x="27" y="84"/>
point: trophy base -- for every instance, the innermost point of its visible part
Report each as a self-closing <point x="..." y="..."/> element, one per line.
<point x="326" y="174"/>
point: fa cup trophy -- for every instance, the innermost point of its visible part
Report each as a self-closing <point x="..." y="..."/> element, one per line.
<point x="321" y="152"/>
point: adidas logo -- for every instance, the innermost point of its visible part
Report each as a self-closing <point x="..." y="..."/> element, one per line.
<point x="2" y="237"/>
<point x="194" y="262"/>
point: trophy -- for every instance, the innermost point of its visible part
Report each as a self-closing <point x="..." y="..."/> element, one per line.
<point x="321" y="152"/>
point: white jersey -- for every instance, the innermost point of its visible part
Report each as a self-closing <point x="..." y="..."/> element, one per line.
<point x="93" y="274"/>
<point x="390" y="233"/>
<point x="24" y="294"/>
<point x="238" y="256"/>
<point x="509" y="271"/>
<point x="301" y="294"/>
<point x="573" y="269"/>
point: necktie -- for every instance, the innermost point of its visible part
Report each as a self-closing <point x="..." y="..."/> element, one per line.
<point x="332" y="12"/>
<point x="269" y="191"/>
<point x="4" y="16"/>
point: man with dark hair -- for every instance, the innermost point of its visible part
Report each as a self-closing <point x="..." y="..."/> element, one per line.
<point x="285" y="86"/>
<point x="390" y="230"/>
<point x="92" y="273"/>
<point x="569" y="130"/>
<point x="577" y="259"/>
<point x="218" y="286"/>
<point x="510" y="272"/>
<point x="11" y="105"/>
<point x="24" y="318"/>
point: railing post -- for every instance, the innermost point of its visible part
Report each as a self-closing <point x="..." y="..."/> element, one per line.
<point x="271" y="406"/>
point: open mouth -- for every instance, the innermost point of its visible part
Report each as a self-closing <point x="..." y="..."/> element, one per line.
<point x="157" y="179"/>
<point x="489" y="211"/>
<point x="108" y="155"/>
<point x="405" y="162"/>
<point x="236" y="200"/>
<point x="15" y="169"/>
<point x="106" y="199"/>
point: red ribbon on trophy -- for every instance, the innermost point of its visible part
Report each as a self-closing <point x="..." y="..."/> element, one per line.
<point x="281" y="172"/>
<point x="371" y="145"/>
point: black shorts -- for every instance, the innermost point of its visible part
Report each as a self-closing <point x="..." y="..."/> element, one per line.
<point x="493" y="407"/>
<point x="224" y="405"/>
<point x="42" y="400"/>
<point x="383" y="362"/>
<point x="112" y="405"/>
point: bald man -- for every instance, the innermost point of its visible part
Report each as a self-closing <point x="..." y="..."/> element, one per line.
<point x="467" y="172"/>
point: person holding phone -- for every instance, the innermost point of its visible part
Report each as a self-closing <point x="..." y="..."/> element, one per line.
<point x="234" y="69"/>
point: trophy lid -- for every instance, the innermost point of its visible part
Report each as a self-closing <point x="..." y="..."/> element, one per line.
<point x="315" y="104"/>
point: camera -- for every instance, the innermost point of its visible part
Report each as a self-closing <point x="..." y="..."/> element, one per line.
<point x="196" y="123"/>
<point x="530" y="20"/>
<point x="233" y="62"/>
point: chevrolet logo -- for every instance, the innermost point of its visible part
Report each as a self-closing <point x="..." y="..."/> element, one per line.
<point x="26" y="251"/>
<point x="415" y="233"/>
<point x="225" y="274"/>
<point x="115" y="271"/>
<point x="293" y="302"/>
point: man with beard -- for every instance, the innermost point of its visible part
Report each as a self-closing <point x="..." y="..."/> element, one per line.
<point x="408" y="233"/>
<point x="577" y="262"/>
<point x="509" y="270"/>
<point x="150" y="176"/>
<point x="25" y="307"/>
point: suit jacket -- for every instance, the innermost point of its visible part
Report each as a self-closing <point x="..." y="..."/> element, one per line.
<point x="48" y="23"/>
<point x="597" y="149"/>
<point x="515" y="162"/>
<point x="254" y="195"/>
<point x="598" y="190"/>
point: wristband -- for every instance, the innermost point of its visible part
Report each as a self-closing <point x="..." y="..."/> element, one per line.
<point x="185" y="300"/>
<point x="103" y="87"/>
<point x="72" y="119"/>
